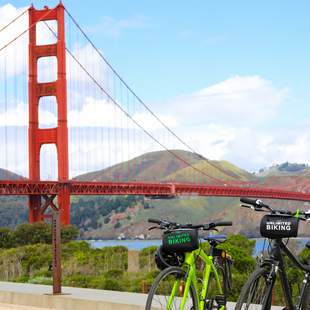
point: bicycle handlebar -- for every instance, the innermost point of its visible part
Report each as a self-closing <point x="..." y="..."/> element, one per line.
<point x="165" y="224"/>
<point x="258" y="205"/>
<point x="229" y="223"/>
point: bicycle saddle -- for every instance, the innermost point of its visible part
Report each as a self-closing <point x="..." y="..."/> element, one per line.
<point x="218" y="238"/>
<point x="308" y="245"/>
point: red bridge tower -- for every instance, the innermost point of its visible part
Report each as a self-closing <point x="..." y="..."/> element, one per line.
<point x="58" y="135"/>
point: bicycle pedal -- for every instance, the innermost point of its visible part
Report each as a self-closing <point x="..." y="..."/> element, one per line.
<point x="220" y="300"/>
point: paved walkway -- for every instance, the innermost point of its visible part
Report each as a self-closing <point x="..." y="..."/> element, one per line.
<point x="21" y="296"/>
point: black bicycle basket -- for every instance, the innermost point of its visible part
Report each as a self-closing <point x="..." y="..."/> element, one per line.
<point x="274" y="226"/>
<point x="180" y="240"/>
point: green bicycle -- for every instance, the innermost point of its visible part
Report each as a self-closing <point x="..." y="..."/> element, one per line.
<point x="178" y="285"/>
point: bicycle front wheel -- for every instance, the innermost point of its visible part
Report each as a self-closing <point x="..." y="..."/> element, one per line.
<point x="254" y="294"/>
<point x="167" y="291"/>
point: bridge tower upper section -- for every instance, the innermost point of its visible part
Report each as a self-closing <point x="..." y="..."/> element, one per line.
<point x="58" y="88"/>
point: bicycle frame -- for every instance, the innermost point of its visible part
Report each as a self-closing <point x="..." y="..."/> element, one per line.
<point x="189" y="264"/>
<point x="276" y="263"/>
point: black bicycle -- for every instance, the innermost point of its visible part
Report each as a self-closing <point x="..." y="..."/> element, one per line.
<point x="257" y="294"/>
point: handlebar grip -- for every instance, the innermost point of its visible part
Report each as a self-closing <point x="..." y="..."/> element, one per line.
<point x="249" y="201"/>
<point x="228" y="223"/>
<point x="154" y="221"/>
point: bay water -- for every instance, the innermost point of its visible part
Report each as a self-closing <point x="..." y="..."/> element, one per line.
<point x="141" y="244"/>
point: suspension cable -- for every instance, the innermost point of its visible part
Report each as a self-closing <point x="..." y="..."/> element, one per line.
<point x="126" y="85"/>
<point x="138" y="98"/>
<point x="13" y="20"/>
<point x="132" y="119"/>
<point x="22" y="33"/>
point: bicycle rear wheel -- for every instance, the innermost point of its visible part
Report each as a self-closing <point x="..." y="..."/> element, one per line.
<point x="168" y="289"/>
<point x="254" y="294"/>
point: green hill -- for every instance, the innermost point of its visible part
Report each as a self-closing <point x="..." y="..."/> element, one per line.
<point x="163" y="166"/>
<point x="154" y="166"/>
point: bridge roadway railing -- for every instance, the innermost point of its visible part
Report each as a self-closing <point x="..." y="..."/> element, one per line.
<point x="25" y="187"/>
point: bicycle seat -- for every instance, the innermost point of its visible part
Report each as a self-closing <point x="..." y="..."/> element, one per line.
<point x="216" y="238"/>
<point x="308" y="245"/>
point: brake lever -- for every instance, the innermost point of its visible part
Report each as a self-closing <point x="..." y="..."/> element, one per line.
<point x="153" y="227"/>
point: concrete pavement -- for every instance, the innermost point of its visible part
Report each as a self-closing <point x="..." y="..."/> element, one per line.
<point x="22" y="296"/>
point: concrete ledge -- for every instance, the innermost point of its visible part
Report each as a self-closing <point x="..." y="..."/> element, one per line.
<point x="75" y="298"/>
<point x="36" y="297"/>
<point x="16" y="307"/>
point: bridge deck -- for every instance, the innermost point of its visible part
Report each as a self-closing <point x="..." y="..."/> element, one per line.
<point x="25" y="187"/>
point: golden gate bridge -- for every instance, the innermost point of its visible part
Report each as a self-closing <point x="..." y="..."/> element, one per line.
<point x="59" y="95"/>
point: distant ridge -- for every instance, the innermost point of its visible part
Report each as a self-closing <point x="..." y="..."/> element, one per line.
<point x="285" y="169"/>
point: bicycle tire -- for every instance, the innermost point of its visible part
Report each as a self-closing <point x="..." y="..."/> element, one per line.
<point x="251" y="297"/>
<point x="305" y="304"/>
<point x="167" y="278"/>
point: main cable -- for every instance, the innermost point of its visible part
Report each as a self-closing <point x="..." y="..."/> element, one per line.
<point x="140" y="100"/>
<point x="22" y="33"/>
<point x="13" y="20"/>
<point x="126" y="85"/>
<point x="129" y="116"/>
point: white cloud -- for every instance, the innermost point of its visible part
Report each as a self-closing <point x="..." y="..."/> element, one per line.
<point x="97" y="113"/>
<point x="101" y="135"/>
<point x="233" y="120"/>
<point x="251" y="97"/>
<point x="15" y="116"/>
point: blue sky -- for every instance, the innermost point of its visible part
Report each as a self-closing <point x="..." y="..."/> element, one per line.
<point x="198" y="43"/>
<point x="170" y="51"/>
